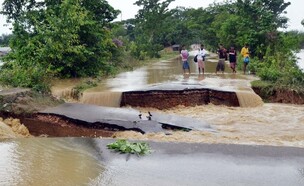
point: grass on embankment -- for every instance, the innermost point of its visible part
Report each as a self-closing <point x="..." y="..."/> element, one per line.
<point x="274" y="92"/>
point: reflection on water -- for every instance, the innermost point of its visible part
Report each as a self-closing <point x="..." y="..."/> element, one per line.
<point x="43" y="161"/>
<point x="160" y="72"/>
<point x="200" y="169"/>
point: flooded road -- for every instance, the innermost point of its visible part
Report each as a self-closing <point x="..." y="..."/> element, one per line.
<point x="253" y="123"/>
<point x="108" y="92"/>
<point x="162" y="72"/>
<point x="81" y="161"/>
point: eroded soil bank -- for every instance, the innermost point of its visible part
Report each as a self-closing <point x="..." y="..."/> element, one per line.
<point x="12" y="128"/>
<point x="280" y="95"/>
<point x="269" y="124"/>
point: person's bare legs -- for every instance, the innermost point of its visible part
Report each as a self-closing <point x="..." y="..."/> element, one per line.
<point x="233" y="70"/>
<point x="245" y="66"/>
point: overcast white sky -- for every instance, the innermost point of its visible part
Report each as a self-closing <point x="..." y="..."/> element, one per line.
<point x="294" y="12"/>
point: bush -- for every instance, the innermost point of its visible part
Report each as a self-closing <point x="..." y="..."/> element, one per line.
<point x="269" y="74"/>
<point x="266" y="88"/>
<point x="280" y="68"/>
<point x="254" y="65"/>
<point x="35" y="77"/>
<point x="124" y="146"/>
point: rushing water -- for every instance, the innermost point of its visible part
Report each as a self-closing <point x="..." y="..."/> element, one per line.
<point x="269" y="124"/>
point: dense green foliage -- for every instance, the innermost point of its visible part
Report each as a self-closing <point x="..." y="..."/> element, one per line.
<point x="125" y="146"/>
<point x="65" y="38"/>
<point x="150" y="27"/>
<point x="280" y="69"/>
<point x="233" y="22"/>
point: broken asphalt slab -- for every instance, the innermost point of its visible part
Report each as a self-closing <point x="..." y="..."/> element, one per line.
<point x="125" y="118"/>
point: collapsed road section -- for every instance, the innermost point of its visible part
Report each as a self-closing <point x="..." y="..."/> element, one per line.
<point x="73" y="119"/>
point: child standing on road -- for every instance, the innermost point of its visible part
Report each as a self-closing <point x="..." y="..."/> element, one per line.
<point x="184" y="55"/>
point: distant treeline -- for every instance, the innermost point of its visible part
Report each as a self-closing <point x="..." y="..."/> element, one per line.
<point x="4" y="39"/>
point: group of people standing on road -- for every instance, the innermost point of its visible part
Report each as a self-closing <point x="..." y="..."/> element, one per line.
<point x="200" y="59"/>
<point x="223" y="55"/>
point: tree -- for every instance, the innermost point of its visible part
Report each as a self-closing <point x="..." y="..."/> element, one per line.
<point x="66" y="38"/>
<point x="150" y="24"/>
<point x="260" y="20"/>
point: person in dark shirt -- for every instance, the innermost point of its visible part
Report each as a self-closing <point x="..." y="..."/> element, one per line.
<point x="232" y="59"/>
<point x="222" y="54"/>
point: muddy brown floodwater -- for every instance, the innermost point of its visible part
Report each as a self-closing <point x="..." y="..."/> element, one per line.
<point x="86" y="161"/>
<point x="254" y="122"/>
<point x="270" y="124"/>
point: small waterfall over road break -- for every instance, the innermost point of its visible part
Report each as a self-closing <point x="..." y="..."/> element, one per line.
<point x="242" y="88"/>
<point x="249" y="99"/>
<point x="110" y="99"/>
<point x="65" y="88"/>
<point x="67" y="93"/>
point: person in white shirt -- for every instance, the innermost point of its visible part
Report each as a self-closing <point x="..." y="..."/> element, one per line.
<point x="201" y="59"/>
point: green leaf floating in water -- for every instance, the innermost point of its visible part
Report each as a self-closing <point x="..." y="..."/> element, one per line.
<point x="124" y="146"/>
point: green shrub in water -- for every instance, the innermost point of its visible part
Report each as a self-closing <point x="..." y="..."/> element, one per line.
<point x="124" y="146"/>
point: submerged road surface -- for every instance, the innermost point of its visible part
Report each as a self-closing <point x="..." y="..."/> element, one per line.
<point x="202" y="164"/>
<point x="85" y="161"/>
